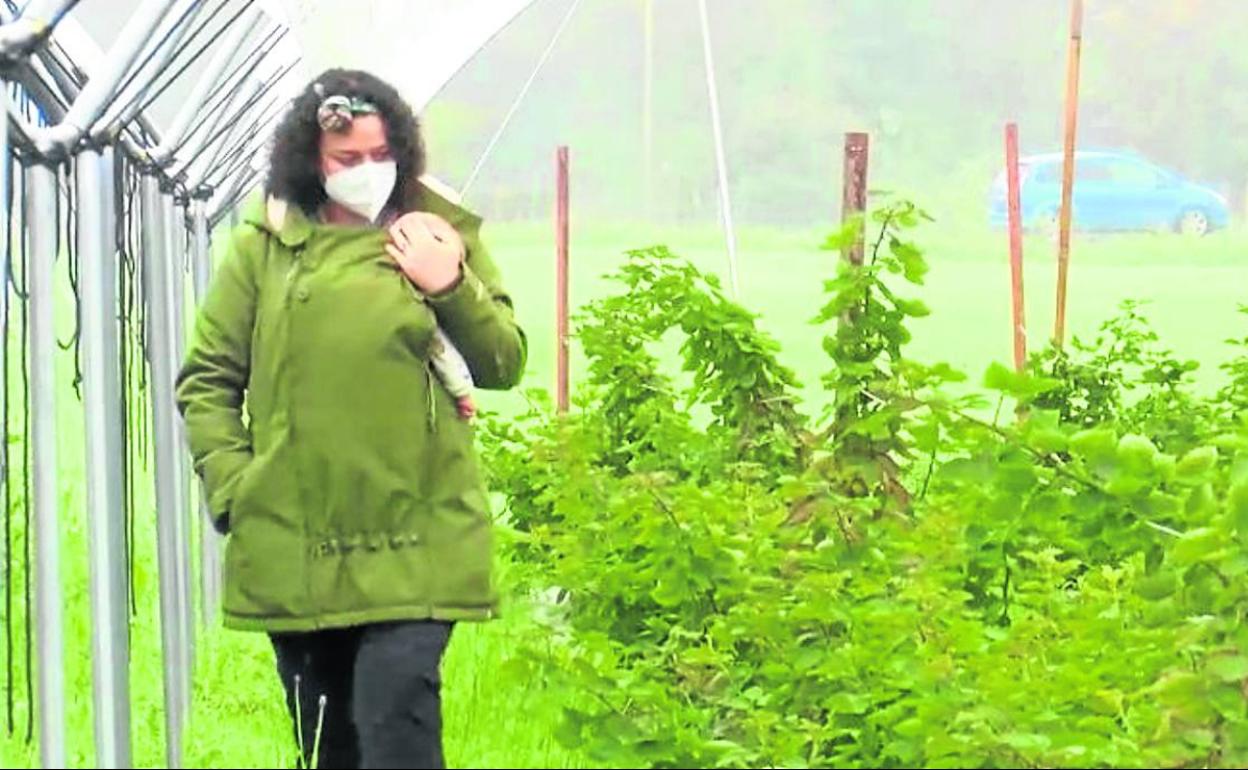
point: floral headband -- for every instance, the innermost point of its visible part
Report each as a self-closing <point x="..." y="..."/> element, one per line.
<point x="337" y="111"/>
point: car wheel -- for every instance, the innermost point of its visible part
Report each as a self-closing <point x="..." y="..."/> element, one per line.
<point x="1193" y="222"/>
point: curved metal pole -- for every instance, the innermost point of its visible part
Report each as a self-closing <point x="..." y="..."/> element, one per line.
<point x="95" y="96"/>
<point x="37" y="21"/>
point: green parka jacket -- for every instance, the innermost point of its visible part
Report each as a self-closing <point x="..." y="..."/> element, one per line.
<point x="351" y="492"/>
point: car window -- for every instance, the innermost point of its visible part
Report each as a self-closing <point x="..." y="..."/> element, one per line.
<point x="1133" y="174"/>
<point x="1045" y="173"/>
<point x="1093" y="171"/>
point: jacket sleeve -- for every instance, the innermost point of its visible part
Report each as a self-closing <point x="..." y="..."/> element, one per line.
<point x="478" y="316"/>
<point x="214" y="376"/>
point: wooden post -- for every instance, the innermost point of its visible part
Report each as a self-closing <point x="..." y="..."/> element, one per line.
<point x="1068" y="169"/>
<point x="854" y="192"/>
<point x="561" y="283"/>
<point x="1016" y="245"/>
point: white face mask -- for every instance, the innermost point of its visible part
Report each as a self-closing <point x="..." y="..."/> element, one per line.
<point x="363" y="189"/>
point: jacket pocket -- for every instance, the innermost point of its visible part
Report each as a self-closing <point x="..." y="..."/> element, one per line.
<point x="264" y="560"/>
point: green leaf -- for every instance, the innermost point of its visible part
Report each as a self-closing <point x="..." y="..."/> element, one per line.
<point x="1231" y="668"/>
<point x="670" y="593"/>
<point x="1196" y="463"/>
<point x="845" y="237"/>
<point x="1198" y="545"/>
<point x="849" y="703"/>
<point x="1228" y="700"/>
<point x="1096" y="444"/>
<point x="1020" y="385"/>
<point x="1044" y="432"/>
<point x="1031" y="742"/>
<point x="913" y="266"/>
<point x="912" y="307"/>
<point x="1238" y="505"/>
<point x="1137" y="453"/>
<point x="1158" y="586"/>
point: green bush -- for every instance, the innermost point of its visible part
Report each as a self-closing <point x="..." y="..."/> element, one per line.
<point x="905" y="580"/>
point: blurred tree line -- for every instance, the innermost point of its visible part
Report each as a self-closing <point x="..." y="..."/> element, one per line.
<point x="933" y="81"/>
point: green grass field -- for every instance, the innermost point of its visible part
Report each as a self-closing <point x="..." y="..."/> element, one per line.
<point x="1193" y="287"/>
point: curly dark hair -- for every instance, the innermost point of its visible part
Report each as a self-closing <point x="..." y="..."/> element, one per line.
<point x="294" y="164"/>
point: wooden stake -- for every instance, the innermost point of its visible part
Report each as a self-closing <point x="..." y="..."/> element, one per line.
<point x="1016" y="245"/>
<point x="854" y="188"/>
<point x="1068" y="170"/>
<point x="561" y="282"/>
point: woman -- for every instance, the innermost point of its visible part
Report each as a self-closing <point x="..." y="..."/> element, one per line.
<point x="357" y="518"/>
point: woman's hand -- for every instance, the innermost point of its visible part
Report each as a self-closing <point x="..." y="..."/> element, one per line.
<point x="428" y="249"/>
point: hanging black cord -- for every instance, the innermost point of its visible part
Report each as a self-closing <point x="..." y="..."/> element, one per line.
<point x="26" y="460"/>
<point x="8" y="487"/>
<point x="124" y="195"/>
<point x="71" y="249"/>
<point x="136" y="226"/>
<point x="119" y="253"/>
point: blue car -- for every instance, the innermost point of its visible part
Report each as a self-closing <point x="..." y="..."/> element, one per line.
<point x="1114" y="191"/>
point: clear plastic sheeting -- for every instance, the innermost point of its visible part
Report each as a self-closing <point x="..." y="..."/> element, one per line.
<point x="417" y="45"/>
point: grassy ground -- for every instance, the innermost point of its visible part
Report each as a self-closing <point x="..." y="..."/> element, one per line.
<point x="1194" y="288"/>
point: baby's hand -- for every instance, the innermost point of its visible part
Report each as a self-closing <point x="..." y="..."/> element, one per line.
<point x="466" y="407"/>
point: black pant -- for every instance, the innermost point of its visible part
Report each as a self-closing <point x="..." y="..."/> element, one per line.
<point x="374" y="691"/>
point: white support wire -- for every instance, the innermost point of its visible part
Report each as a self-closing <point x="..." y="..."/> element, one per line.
<point x="502" y="128"/>
<point x="721" y="164"/>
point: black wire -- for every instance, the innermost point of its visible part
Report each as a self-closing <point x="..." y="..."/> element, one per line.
<point x="256" y="97"/>
<point x="25" y="256"/>
<point x="236" y="158"/>
<point x="121" y="172"/>
<point x="137" y="224"/>
<point x="71" y="249"/>
<point x="12" y="277"/>
<point x="134" y="72"/>
<point x="219" y="95"/>
<point x="212" y="105"/>
<point x="170" y="81"/>
<point x="230" y="172"/>
<point x="8" y="487"/>
<point x="242" y="192"/>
